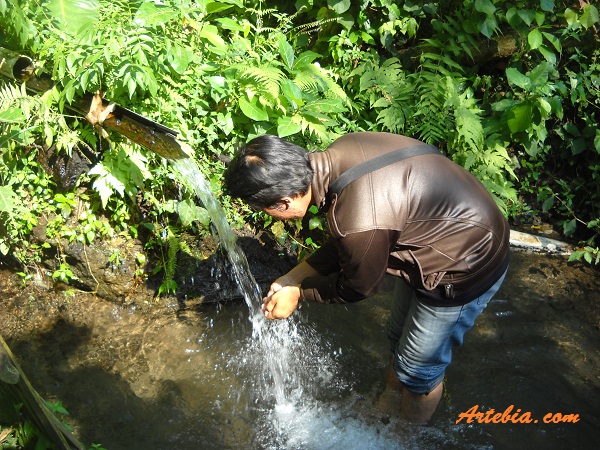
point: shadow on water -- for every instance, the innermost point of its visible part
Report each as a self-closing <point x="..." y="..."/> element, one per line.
<point x="159" y="377"/>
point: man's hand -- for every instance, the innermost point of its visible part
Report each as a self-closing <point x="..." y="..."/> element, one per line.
<point x="284" y="294"/>
<point x="281" y="302"/>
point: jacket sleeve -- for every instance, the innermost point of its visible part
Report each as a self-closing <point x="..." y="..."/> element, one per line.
<point x="325" y="259"/>
<point x="363" y="261"/>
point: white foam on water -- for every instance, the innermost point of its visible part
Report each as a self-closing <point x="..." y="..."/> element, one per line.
<point x="315" y="426"/>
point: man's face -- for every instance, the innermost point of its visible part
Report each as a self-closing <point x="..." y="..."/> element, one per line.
<point x="289" y="208"/>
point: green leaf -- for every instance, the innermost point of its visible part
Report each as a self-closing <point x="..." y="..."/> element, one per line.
<point x="488" y="26"/>
<point x="589" y="16"/>
<point x="549" y="55"/>
<point x="286" y="126"/>
<point x="517" y="78"/>
<point x="554" y="41"/>
<point x="339" y="6"/>
<point x="556" y="103"/>
<point x="571" y="16"/>
<point x="74" y="14"/>
<point x="569" y="227"/>
<point x="540" y="18"/>
<point x="578" y="146"/>
<point x="12" y="115"/>
<point x="485" y="6"/>
<point x="190" y="212"/>
<point x="535" y="38"/>
<point x="576" y="255"/>
<point x="292" y="92"/>
<point x="211" y="34"/>
<point x="548" y="204"/>
<point x="8" y="199"/>
<point x="547" y="5"/>
<point x="519" y="118"/>
<point x="252" y="111"/>
<point x="366" y="37"/>
<point x="513" y="18"/>
<point x="151" y="14"/>
<point x="315" y="222"/>
<point x="527" y="15"/>
<point x="214" y="7"/>
<point x="286" y="51"/>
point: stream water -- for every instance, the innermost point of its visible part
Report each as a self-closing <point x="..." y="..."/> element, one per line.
<point x="161" y="376"/>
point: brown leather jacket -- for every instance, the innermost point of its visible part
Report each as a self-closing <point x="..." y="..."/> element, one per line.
<point x="424" y="218"/>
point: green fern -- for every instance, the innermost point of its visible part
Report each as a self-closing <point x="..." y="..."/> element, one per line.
<point x="316" y="80"/>
<point x="468" y="135"/>
<point x="431" y="121"/>
<point x="264" y="80"/>
<point x="387" y="91"/>
<point x="311" y="27"/>
<point x="169" y="285"/>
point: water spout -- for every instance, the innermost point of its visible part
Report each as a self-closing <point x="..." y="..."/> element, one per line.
<point x="15" y="66"/>
<point x="149" y="134"/>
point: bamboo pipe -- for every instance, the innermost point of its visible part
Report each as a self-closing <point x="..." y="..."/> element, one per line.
<point x="149" y="134"/>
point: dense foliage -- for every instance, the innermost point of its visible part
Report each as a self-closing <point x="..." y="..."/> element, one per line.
<point x="509" y="90"/>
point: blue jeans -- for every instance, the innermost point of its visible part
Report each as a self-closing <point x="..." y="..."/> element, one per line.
<point x="422" y="336"/>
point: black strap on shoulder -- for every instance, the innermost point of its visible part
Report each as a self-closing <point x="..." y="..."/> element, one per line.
<point x="374" y="164"/>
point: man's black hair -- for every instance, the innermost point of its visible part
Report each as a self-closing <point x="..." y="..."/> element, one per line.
<point x="267" y="169"/>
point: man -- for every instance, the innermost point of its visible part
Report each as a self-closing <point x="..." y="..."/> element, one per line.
<point x="423" y="219"/>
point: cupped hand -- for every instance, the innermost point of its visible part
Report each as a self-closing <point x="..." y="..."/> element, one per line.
<point x="281" y="302"/>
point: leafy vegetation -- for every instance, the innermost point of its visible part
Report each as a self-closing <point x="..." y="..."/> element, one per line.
<point x="509" y="90"/>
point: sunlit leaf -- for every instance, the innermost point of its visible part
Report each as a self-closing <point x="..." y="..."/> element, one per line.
<point x="589" y="16"/>
<point x="74" y="15"/>
<point x="8" y="199"/>
<point x="286" y="126"/>
<point x="13" y="115"/>
<point x="519" y="118"/>
<point x="286" y="51"/>
<point x="549" y="55"/>
<point x="252" y="111"/>
<point x="517" y="78"/>
<point x="339" y="6"/>
<point x="190" y="212"/>
<point x="535" y="38"/>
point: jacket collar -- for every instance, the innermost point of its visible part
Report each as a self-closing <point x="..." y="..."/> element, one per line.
<point x="321" y="178"/>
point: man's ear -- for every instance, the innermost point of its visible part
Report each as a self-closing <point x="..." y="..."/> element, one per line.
<point x="285" y="203"/>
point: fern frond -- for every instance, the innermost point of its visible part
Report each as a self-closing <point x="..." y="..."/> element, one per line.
<point x="312" y="27"/>
<point x="312" y="78"/>
<point x="431" y="121"/>
<point x="264" y="80"/>
<point x="9" y="95"/>
<point x="469" y="128"/>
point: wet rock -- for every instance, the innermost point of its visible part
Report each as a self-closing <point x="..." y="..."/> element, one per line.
<point x="65" y="169"/>
<point x="212" y="279"/>
<point x="110" y="268"/>
<point x="106" y="268"/>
